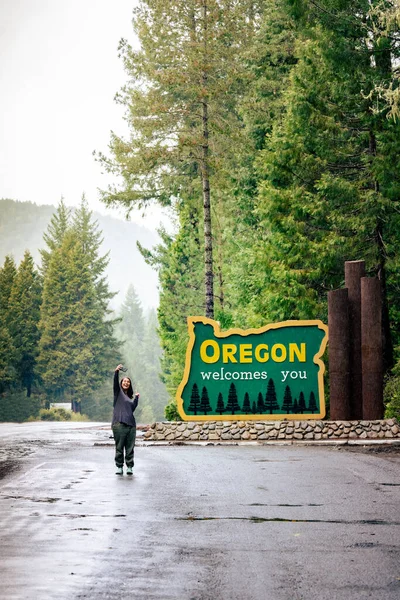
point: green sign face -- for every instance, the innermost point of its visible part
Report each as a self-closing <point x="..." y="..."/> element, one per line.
<point x="274" y="372"/>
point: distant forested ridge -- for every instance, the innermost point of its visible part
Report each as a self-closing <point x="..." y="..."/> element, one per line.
<point x="22" y="225"/>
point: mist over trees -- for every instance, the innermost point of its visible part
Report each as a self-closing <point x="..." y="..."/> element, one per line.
<point x="23" y="225"/>
<point x="60" y="340"/>
<point x="140" y="352"/>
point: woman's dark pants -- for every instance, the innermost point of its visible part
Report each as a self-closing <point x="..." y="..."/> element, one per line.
<point x="124" y="436"/>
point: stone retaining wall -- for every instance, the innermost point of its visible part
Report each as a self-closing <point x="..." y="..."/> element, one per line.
<point x="263" y="431"/>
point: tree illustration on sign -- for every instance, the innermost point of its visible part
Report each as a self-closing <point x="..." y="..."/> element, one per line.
<point x="302" y="403"/>
<point x="260" y="403"/>
<point x="254" y="407"/>
<point x="232" y="404"/>
<point x="312" y="407"/>
<point x="295" y="406"/>
<point x="246" y="404"/>
<point x="271" y="402"/>
<point x="220" y="404"/>
<point x="194" y="405"/>
<point x="287" y="405"/>
<point x="205" y="405"/>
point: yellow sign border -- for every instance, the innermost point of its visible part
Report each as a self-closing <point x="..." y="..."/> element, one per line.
<point x="244" y="332"/>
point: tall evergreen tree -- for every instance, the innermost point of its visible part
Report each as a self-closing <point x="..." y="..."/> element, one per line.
<point x="185" y="79"/>
<point x="76" y="346"/>
<point x="24" y="315"/>
<point x="90" y="238"/>
<point x="131" y="313"/>
<point x="152" y="353"/>
<point x="178" y="261"/>
<point x="7" y="350"/>
<point x="59" y="225"/>
<point x="7" y="275"/>
<point x="330" y="177"/>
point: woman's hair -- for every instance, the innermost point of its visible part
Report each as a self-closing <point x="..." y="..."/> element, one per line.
<point x="129" y="391"/>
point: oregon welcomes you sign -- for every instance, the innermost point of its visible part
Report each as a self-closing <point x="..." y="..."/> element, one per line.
<point x="274" y="372"/>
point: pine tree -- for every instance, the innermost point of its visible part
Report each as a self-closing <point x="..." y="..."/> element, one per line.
<point x="24" y="315"/>
<point x="287" y="406"/>
<point x="131" y="313"/>
<point x="194" y="405"/>
<point x="271" y="402"/>
<point x="152" y="383"/>
<point x="181" y="104"/>
<point x="254" y="407"/>
<point x="302" y="403"/>
<point x="7" y="275"/>
<point x="205" y="406"/>
<point x="178" y="261"/>
<point x="260" y="403"/>
<point x="7" y="349"/>
<point x="330" y="169"/>
<point x="232" y="405"/>
<point x="76" y="344"/>
<point x="312" y="406"/>
<point x="295" y="407"/>
<point x="129" y="330"/>
<point x="59" y="225"/>
<point x="246" y="404"/>
<point x="91" y="239"/>
<point x="220" y="404"/>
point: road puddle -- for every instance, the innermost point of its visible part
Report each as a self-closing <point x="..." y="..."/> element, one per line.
<point x="283" y="520"/>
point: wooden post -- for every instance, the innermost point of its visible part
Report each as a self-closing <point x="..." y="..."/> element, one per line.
<point x="371" y="348"/>
<point x="354" y="270"/>
<point x="339" y="355"/>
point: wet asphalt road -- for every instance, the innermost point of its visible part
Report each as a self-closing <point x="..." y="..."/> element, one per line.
<point x="194" y="522"/>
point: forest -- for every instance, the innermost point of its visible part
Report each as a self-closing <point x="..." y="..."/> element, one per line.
<point x="271" y="128"/>
<point x="59" y="339"/>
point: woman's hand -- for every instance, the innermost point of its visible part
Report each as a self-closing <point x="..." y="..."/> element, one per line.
<point x="119" y="367"/>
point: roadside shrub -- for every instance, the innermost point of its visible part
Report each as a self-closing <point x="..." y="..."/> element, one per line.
<point x="55" y="414"/>
<point x="392" y="398"/>
<point x="171" y="412"/>
<point x="79" y="417"/>
<point x="16" y="407"/>
<point x="60" y="414"/>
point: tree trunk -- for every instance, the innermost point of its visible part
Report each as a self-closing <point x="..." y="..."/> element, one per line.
<point x="205" y="176"/>
<point x="387" y="344"/>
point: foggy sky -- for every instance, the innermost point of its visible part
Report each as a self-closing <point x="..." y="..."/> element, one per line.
<point x="59" y="72"/>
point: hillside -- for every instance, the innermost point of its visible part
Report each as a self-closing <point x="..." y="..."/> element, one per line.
<point x="22" y="225"/>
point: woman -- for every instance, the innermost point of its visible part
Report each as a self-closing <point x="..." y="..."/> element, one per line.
<point x="123" y="422"/>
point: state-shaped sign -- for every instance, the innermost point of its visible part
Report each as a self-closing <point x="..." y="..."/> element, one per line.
<point x="274" y="372"/>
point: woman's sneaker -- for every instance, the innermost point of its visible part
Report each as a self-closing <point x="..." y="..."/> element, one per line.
<point x="119" y="471"/>
<point x="129" y="471"/>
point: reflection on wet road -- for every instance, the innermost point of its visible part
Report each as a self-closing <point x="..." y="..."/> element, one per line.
<point x="194" y="523"/>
